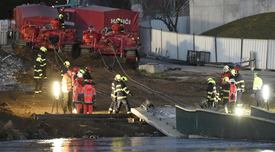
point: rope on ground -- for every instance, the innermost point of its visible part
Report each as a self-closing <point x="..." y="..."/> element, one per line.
<point x="55" y="53"/>
<point x="160" y="94"/>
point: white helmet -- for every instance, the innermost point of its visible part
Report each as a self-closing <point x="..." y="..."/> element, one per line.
<point x="226" y="67"/>
<point x="231" y="81"/>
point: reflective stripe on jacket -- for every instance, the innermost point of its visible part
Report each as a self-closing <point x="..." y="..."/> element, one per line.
<point x="66" y="83"/>
<point x="113" y="93"/>
<point x="257" y="83"/>
<point x="37" y="71"/>
<point x="225" y="89"/>
<point x="77" y="93"/>
<point x="121" y="90"/>
<point x="211" y="92"/>
<point x="239" y="82"/>
<point x="89" y="93"/>
<point x="232" y="93"/>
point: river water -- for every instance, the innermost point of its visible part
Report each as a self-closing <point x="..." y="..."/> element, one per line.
<point x="152" y="144"/>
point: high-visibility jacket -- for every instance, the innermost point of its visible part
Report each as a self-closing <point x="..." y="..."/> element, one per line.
<point x="225" y="74"/>
<point x="225" y="91"/>
<point x="37" y="71"/>
<point x="211" y="92"/>
<point x="74" y="76"/>
<point x="113" y="93"/>
<point x="66" y="83"/>
<point x="232" y="93"/>
<point x="121" y="90"/>
<point x="239" y="82"/>
<point x="257" y="83"/>
<point x="77" y="91"/>
<point x="89" y="93"/>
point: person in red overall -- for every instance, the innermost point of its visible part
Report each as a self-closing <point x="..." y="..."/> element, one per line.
<point x="232" y="94"/>
<point x="78" y="94"/>
<point x="89" y="93"/>
<point x="226" y="73"/>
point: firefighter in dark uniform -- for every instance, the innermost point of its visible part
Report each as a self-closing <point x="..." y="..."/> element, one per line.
<point x="40" y="69"/>
<point x="65" y="68"/>
<point x="211" y="92"/>
<point x="225" y="89"/>
<point x="61" y="20"/>
<point x="43" y="56"/>
<point x="38" y="75"/>
<point x="118" y="21"/>
<point x="239" y="82"/>
<point x="113" y="96"/>
<point x="121" y="91"/>
<point x="87" y="75"/>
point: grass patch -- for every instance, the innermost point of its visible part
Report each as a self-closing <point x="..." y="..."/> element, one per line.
<point x="259" y="26"/>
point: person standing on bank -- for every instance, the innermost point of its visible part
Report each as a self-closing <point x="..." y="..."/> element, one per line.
<point x="122" y="91"/>
<point x="257" y="87"/>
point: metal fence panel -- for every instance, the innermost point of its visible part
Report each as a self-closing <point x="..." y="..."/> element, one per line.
<point x="260" y="49"/>
<point x="206" y="43"/>
<point x="229" y="126"/>
<point x="3" y="38"/>
<point x="185" y="117"/>
<point x="271" y="55"/>
<point x="185" y="43"/>
<point x="156" y="42"/>
<point x="145" y="39"/>
<point x="228" y="50"/>
<point x="169" y="45"/>
<point x="260" y="112"/>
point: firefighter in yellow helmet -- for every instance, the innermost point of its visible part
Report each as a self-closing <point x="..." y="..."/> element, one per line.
<point x="239" y="82"/>
<point x="113" y="95"/>
<point x="38" y="75"/>
<point x="211" y="92"/>
<point x="67" y="91"/>
<point x="122" y="91"/>
<point x="118" y="21"/>
<point x="61" y="20"/>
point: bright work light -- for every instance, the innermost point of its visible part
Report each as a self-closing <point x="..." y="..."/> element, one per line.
<point x="265" y="91"/>
<point x="56" y="90"/>
<point x="239" y="111"/>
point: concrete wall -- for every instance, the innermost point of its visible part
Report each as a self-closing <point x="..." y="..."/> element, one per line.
<point x="209" y="14"/>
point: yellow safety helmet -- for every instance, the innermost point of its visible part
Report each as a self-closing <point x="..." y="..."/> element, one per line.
<point x="233" y="71"/>
<point x="118" y="77"/>
<point x="66" y="63"/>
<point x="43" y="49"/>
<point x="124" y="79"/>
<point x="82" y="71"/>
<point x="210" y="80"/>
<point x="60" y="15"/>
<point x="225" y="79"/>
<point x="118" y="19"/>
<point x="38" y="59"/>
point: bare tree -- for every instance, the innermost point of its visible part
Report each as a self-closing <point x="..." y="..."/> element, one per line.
<point x="165" y="10"/>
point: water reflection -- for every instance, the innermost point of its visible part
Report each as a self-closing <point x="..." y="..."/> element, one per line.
<point x="134" y="144"/>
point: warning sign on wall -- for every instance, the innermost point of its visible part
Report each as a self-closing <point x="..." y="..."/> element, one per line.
<point x="4" y="24"/>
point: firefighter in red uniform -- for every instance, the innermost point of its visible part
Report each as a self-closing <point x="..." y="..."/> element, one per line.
<point x="225" y="89"/>
<point x="78" y="94"/>
<point x="226" y="73"/>
<point x="74" y="75"/>
<point x="122" y="91"/>
<point x="67" y="91"/>
<point x="232" y="94"/>
<point x="89" y="94"/>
